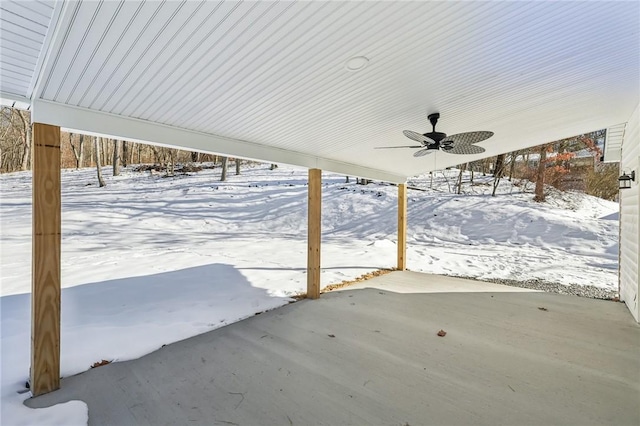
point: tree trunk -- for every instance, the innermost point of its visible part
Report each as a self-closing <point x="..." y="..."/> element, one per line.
<point x="26" y="152"/>
<point x="237" y="166"/>
<point x="116" y="157"/>
<point x="459" y="191"/>
<point x="539" y="197"/>
<point x="77" y="152"/>
<point x="26" y="155"/>
<point x="97" y="144"/>
<point x="223" y="176"/>
<point x="125" y="153"/>
<point x="80" y="159"/>
<point x="497" y="173"/>
<point x="157" y="157"/>
<point x="171" y="165"/>
<point x="512" y="166"/>
<point x="103" y="151"/>
<point x="499" y="167"/>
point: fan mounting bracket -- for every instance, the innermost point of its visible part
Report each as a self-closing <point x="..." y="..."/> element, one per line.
<point x="433" y="118"/>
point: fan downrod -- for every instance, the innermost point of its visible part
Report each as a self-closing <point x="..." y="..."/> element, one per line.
<point x="433" y="118"/>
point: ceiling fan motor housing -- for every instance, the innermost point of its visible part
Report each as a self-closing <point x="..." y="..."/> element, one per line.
<point x="436" y="136"/>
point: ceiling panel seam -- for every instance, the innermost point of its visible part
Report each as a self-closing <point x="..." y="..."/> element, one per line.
<point x="123" y="59"/>
<point x="14" y="85"/>
<point x="26" y="19"/>
<point x="107" y="79"/>
<point x="111" y="52"/>
<point x="235" y="7"/>
<point x="210" y="93"/>
<point x="40" y="91"/>
<point x="20" y="51"/>
<point x="329" y="81"/>
<point x="45" y="47"/>
<point x="312" y="106"/>
<point x="165" y="65"/>
<point x="16" y="65"/>
<point x="159" y="98"/>
<point x="153" y="63"/>
<point x="25" y="4"/>
<point x="79" y="48"/>
<point x="16" y="74"/>
<point x="22" y="37"/>
<point x="300" y="79"/>
<point x="198" y="79"/>
<point x="180" y="119"/>
<point x="19" y="58"/>
<point x="239" y="92"/>
<point x="139" y="59"/>
<point x="159" y="89"/>
<point x="79" y="77"/>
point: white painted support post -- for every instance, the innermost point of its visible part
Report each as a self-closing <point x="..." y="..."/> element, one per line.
<point x="402" y="226"/>
<point x="314" y="233"/>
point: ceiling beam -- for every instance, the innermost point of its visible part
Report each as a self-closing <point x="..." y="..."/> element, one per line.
<point x="113" y="126"/>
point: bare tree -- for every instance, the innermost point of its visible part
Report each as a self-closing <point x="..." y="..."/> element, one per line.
<point x="97" y="144"/>
<point x="498" y="171"/>
<point x="78" y="153"/>
<point x="26" y="153"/>
<point x="223" y="175"/>
<point x="460" y="173"/>
<point x="237" y="166"/>
<point x="125" y="154"/>
<point x="171" y="163"/>
<point x="539" y="197"/>
<point x="116" y="157"/>
<point x="512" y="163"/>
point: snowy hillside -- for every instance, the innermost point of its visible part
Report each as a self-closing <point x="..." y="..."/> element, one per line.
<point x="150" y="260"/>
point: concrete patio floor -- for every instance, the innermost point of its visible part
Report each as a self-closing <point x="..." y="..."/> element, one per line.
<point x="370" y="355"/>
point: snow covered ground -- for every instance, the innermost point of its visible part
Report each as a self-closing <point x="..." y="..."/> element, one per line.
<point x="150" y="260"/>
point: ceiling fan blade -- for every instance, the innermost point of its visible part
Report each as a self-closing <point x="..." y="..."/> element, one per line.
<point x="418" y="137"/>
<point x="467" y="138"/>
<point x="423" y="152"/>
<point x="462" y="149"/>
<point x="401" y="146"/>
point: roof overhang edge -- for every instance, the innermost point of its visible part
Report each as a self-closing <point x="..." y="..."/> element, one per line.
<point x="87" y="121"/>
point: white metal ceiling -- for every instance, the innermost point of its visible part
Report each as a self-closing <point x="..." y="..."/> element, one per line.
<point x="273" y="74"/>
<point x="23" y="27"/>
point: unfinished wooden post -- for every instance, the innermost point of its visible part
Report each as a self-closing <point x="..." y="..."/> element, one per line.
<point x="45" y="277"/>
<point x="314" y="233"/>
<point x="402" y="226"/>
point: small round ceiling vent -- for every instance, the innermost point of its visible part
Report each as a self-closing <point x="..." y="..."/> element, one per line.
<point x="357" y="63"/>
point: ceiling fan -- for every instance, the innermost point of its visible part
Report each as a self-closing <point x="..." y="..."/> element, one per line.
<point x="460" y="143"/>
